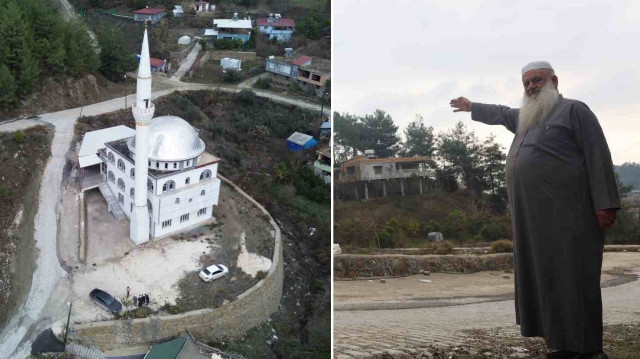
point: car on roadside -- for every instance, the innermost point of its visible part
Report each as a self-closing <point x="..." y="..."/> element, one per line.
<point x="105" y="300"/>
<point x="213" y="272"/>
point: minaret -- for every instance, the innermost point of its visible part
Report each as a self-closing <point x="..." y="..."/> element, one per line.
<point x="143" y="113"/>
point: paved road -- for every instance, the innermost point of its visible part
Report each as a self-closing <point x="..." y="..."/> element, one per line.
<point x="35" y="315"/>
<point x="369" y="333"/>
<point x="186" y="63"/>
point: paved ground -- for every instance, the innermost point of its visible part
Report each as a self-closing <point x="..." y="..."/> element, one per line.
<point x="46" y="299"/>
<point x="107" y="238"/>
<point x="186" y="63"/>
<point x="365" y="333"/>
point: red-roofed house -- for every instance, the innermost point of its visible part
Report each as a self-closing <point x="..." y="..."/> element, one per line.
<point x="149" y="14"/>
<point x="276" y="27"/>
<point x="157" y="64"/>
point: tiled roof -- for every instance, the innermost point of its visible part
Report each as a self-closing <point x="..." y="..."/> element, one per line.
<point x="155" y="62"/>
<point x="149" y="11"/>
<point x="263" y="21"/>
<point x="302" y="60"/>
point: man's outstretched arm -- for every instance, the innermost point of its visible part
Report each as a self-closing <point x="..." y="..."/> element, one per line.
<point x="489" y="114"/>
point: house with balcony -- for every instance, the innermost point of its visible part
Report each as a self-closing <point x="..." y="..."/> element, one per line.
<point x="366" y="176"/>
<point x="309" y="73"/>
<point x="149" y="14"/>
<point x="231" y="29"/>
<point x="322" y="166"/>
<point x="276" y="27"/>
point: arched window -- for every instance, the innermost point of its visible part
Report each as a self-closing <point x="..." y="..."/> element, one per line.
<point x="149" y="185"/>
<point x="149" y="206"/>
<point x="121" y="164"/>
<point x="132" y="192"/>
<point x="110" y="157"/>
<point x="132" y="173"/>
<point x="205" y="174"/>
<point x="187" y="180"/>
<point x="111" y="177"/>
<point x="177" y="200"/>
<point x="168" y="186"/>
<point x="120" y="183"/>
<point x="202" y="193"/>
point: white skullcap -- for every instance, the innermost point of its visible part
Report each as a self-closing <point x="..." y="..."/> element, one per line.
<point x="535" y="65"/>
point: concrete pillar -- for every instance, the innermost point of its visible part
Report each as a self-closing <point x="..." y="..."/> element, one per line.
<point x="402" y="186"/>
<point x="384" y="189"/>
<point x="366" y="191"/>
<point x="420" y="184"/>
<point x="355" y="190"/>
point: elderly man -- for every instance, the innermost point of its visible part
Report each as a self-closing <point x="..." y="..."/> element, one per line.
<point x="562" y="197"/>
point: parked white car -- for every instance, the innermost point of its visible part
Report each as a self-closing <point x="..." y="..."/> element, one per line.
<point x="213" y="272"/>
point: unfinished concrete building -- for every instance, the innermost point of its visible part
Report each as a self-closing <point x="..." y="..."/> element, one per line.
<point x="365" y="177"/>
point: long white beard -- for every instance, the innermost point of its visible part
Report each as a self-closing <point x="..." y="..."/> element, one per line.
<point x="535" y="110"/>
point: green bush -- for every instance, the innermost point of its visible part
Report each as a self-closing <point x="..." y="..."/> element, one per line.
<point x="261" y="275"/>
<point x="494" y="230"/>
<point x="227" y="44"/>
<point x="231" y="76"/>
<point x="502" y="246"/>
<point x="444" y="247"/>
<point x="18" y="136"/>
<point x="262" y="83"/>
<point x="142" y="312"/>
<point x="4" y="191"/>
<point x="246" y="97"/>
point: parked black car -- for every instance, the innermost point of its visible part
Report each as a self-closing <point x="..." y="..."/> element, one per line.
<point x="105" y="300"/>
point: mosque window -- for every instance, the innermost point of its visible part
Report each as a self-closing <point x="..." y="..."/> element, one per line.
<point x="187" y="180"/>
<point x="121" y="164"/>
<point x="184" y="218"/>
<point x="205" y="174"/>
<point x="132" y="192"/>
<point x="166" y="165"/>
<point x="168" y="186"/>
<point x="132" y="173"/>
<point x="202" y="211"/>
<point x="110" y="157"/>
<point x="166" y="223"/>
<point x="177" y="200"/>
<point x="175" y="165"/>
<point x="120" y="198"/>
<point x="202" y="193"/>
<point x="120" y="183"/>
<point x="149" y="206"/>
<point x="150" y="185"/>
<point x="112" y="178"/>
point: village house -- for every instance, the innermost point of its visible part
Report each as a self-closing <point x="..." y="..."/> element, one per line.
<point x="231" y="29"/>
<point x="322" y="166"/>
<point x="204" y="6"/>
<point x="309" y="73"/>
<point x="364" y="177"/>
<point x="276" y="27"/>
<point x="149" y="14"/>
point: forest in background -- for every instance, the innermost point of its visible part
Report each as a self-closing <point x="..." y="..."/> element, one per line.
<point x="470" y="204"/>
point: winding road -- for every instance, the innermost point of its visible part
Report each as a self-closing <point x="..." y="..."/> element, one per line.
<point x="42" y="305"/>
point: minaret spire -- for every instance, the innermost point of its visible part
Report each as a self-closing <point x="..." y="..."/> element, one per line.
<point x="143" y="113"/>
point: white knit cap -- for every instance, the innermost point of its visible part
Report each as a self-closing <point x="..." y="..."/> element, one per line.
<point x="535" y="65"/>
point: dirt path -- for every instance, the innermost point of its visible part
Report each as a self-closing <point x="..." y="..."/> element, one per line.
<point x="186" y="64"/>
<point x="41" y="305"/>
<point x="366" y="333"/>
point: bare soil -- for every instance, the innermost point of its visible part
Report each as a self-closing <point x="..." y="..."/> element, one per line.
<point x="23" y="162"/>
<point x="210" y="72"/>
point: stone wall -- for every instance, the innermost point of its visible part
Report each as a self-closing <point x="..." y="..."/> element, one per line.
<point x="351" y="266"/>
<point x="242" y="55"/>
<point x="250" y="309"/>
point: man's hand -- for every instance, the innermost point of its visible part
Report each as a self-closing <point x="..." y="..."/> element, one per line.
<point x="606" y="218"/>
<point x="461" y="104"/>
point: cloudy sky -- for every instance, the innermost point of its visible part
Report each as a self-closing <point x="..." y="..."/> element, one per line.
<point x="412" y="57"/>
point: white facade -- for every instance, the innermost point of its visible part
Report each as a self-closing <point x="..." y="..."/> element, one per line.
<point x="176" y="200"/>
<point x="229" y="63"/>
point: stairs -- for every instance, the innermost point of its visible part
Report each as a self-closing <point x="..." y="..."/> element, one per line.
<point x="112" y="203"/>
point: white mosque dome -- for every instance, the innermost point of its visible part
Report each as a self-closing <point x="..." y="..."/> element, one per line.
<point x="171" y="139"/>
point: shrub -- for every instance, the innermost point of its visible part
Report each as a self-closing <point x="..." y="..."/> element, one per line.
<point x="18" y="136"/>
<point x="502" y="246"/>
<point x="231" y="76"/>
<point x="246" y="96"/>
<point x="494" y="230"/>
<point x="4" y="191"/>
<point x="444" y="247"/>
<point x="142" y="312"/>
<point x="261" y="275"/>
<point x="227" y="44"/>
<point x="203" y="44"/>
<point x="262" y="83"/>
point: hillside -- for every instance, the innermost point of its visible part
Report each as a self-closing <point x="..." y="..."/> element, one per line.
<point x="629" y="173"/>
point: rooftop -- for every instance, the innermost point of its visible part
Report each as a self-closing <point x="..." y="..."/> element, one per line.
<point x="263" y="21"/>
<point x="362" y="159"/>
<point x="149" y="11"/>
<point x="232" y="24"/>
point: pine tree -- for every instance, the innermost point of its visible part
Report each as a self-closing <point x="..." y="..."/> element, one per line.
<point x="380" y="134"/>
<point x="29" y="71"/>
<point x="113" y="57"/>
<point x="420" y="140"/>
<point x="8" y="87"/>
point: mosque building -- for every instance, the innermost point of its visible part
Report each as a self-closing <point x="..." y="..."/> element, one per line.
<point x="158" y="175"/>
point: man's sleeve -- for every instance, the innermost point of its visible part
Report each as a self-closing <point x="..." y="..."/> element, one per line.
<point x="591" y="140"/>
<point x="495" y="115"/>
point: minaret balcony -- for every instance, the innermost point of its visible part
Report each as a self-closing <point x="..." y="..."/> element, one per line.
<point x="143" y="114"/>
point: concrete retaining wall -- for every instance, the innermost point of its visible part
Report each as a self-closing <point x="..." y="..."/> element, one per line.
<point x="352" y="266"/>
<point x="250" y="309"/>
<point x="242" y="55"/>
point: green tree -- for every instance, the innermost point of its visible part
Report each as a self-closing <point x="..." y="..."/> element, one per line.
<point x="420" y="139"/>
<point x="461" y="156"/>
<point x="8" y="87"/>
<point x="310" y="27"/>
<point x="347" y="136"/>
<point x="29" y="71"/>
<point x="113" y="57"/>
<point x="379" y="133"/>
<point x="456" y="225"/>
